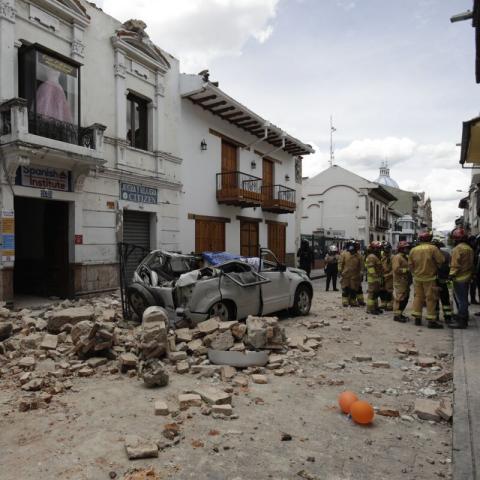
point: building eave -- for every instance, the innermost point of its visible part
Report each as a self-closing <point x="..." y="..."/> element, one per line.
<point x="216" y="101"/>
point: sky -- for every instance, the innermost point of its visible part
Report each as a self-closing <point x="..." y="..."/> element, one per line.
<point x="397" y="77"/>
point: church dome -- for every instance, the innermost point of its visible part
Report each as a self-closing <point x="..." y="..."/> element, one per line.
<point x="384" y="178"/>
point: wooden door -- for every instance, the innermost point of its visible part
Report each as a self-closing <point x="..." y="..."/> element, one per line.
<point x="249" y="239"/>
<point x="209" y="236"/>
<point x="268" y="177"/>
<point x="277" y="236"/>
<point x="229" y="166"/>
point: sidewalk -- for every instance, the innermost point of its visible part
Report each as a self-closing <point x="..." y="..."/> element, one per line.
<point x="466" y="418"/>
<point x="317" y="273"/>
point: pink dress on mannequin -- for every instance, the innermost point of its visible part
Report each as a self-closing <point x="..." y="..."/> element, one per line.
<point x="51" y="101"/>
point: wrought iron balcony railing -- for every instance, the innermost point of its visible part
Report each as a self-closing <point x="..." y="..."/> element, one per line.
<point x="278" y="199"/>
<point x="238" y="188"/>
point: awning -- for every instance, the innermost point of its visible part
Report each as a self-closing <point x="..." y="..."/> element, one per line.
<point x="211" y="98"/>
<point x="470" y="152"/>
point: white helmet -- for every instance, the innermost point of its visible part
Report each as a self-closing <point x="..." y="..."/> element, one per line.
<point x="332" y="249"/>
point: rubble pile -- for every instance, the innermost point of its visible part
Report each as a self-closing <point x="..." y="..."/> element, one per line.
<point x="42" y="349"/>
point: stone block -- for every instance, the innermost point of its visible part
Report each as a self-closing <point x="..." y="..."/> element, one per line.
<point x="208" y="326"/>
<point x="137" y="447"/>
<point x="213" y="396"/>
<point x="427" y="409"/>
<point x="49" y="342"/>
<point x="161" y="408"/>
<point x="219" y="340"/>
<point x="187" y="400"/>
<point x="184" y="335"/>
<point x="226" y="410"/>
<point x="260" y="379"/>
<point x="177" y="356"/>
<point x="70" y="316"/>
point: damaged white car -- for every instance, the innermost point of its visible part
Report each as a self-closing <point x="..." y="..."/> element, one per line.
<point x="232" y="290"/>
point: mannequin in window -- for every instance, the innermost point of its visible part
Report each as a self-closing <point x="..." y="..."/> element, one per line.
<point x="51" y="99"/>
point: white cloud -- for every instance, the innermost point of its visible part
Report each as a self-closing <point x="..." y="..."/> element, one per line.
<point x="432" y="168"/>
<point x="199" y="31"/>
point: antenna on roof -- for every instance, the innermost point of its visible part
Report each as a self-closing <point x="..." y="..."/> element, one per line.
<point x="332" y="150"/>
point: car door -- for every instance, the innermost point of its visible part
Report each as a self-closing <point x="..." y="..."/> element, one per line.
<point x="276" y="293"/>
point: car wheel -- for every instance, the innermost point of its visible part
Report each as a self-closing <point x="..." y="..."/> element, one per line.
<point x="220" y="310"/>
<point x="303" y="301"/>
<point x="139" y="299"/>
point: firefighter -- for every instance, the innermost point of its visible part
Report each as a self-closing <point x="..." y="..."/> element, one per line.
<point x="401" y="281"/>
<point x="461" y="271"/>
<point x="374" y="268"/>
<point x="424" y="261"/>
<point x="443" y="284"/>
<point x="386" y="294"/>
<point x="361" y="273"/>
<point x="348" y="266"/>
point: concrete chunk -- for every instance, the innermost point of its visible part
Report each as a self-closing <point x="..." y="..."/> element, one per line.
<point x="427" y="409"/>
<point x="187" y="400"/>
<point x="208" y="326"/>
<point x="161" y="408"/>
<point x="222" y="409"/>
<point x="445" y="409"/>
<point x="137" y="447"/>
<point x="70" y="316"/>
<point x="425" y="361"/>
<point x="49" y="342"/>
<point x="213" y="396"/>
<point x="260" y="379"/>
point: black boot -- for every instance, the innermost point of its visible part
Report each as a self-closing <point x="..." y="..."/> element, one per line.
<point x="458" y="323"/>
<point x="418" y="321"/>
<point x="435" y="324"/>
<point x="399" y="318"/>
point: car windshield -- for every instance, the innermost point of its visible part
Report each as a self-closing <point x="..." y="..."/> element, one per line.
<point x="181" y="264"/>
<point x="169" y="266"/>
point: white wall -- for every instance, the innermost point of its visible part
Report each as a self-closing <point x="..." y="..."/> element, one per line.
<point x="199" y="178"/>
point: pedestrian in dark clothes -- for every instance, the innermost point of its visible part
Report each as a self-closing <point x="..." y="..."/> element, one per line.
<point x="331" y="267"/>
<point x="305" y="257"/>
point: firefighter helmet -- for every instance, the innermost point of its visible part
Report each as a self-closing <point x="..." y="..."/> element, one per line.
<point x="387" y="246"/>
<point x="375" y="246"/>
<point x="425" y="236"/>
<point x="459" y="235"/>
<point x="403" y="246"/>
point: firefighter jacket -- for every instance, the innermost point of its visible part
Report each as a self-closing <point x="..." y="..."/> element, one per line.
<point x="401" y="273"/>
<point x="361" y="265"/>
<point x="387" y="271"/>
<point x="374" y="269"/>
<point x="462" y="263"/>
<point x="349" y="265"/>
<point x="424" y="261"/>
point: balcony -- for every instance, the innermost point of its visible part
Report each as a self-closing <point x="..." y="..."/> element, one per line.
<point x="28" y="139"/>
<point x="278" y="199"/>
<point x="239" y="189"/>
<point x="382" y="224"/>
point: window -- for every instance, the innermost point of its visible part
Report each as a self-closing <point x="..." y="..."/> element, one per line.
<point x="137" y="122"/>
<point x="377" y="214"/>
<point x="371" y="213"/>
<point x="50" y="84"/>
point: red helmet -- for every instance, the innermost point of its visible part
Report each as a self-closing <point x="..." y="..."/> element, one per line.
<point x="403" y="246"/>
<point x="425" y="236"/>
<point x="375" y="246"/>
<point x="459" y="235"/>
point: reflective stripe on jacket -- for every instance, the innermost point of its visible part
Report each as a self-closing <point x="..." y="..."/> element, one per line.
<point x="424" y="261"/>
<point x="374" y="269"/>
<point x="462" y="263"/>
<point x="400" y="269"/>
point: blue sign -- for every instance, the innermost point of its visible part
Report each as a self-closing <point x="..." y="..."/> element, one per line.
<point x="8" y="240"/>
<point x="138" y="193"/>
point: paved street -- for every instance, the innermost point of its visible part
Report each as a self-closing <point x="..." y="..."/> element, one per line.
<point x="81" y="434"/>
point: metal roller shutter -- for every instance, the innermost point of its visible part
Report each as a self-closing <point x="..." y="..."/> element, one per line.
<point x="136" y="231"/>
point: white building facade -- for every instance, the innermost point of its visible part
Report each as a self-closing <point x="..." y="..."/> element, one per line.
<point x="89" y="131"/>
<point x="241" y="176"/>
<point x="341" y="201"/>
<point x="104" y="143"/>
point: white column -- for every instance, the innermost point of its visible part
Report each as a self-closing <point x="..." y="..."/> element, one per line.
<point x="7" y="49"/>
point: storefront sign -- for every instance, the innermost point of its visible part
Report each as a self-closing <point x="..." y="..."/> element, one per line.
<point x="7" y="228"/>
<point x="138" y="193"/>
<point x="46" y="178"/>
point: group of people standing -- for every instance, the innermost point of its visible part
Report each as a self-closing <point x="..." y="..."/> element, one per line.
<point x="428" y="265"/>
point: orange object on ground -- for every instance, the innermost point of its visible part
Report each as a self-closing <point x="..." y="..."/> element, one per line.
<point x="345" y="400"/>
<point x="362" y="412"/>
